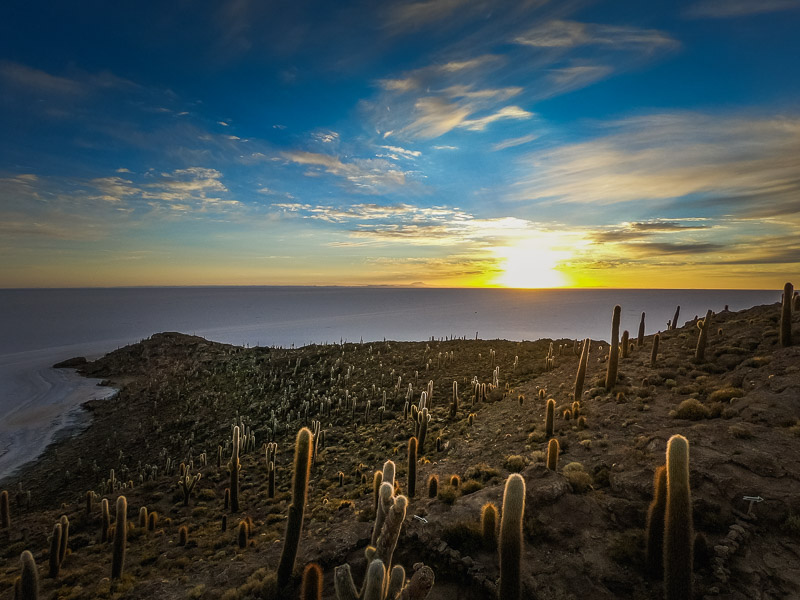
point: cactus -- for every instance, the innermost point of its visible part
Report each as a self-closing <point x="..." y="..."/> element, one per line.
<point x="654" y="352"/>
<point x="89" y="502"/>
<point x="489" y="525"/>
<point x="271" y="480"/>
<point x="188" y="483"/>
<point x="786" y="316"/>
<point x="510" y="542"/>
<point x="62" y="547"/>
<point x="183" y="535"/>
<point x="226" y="502"/>
<point x="640" y="337"/>
<point x="613" y="350"/>
<point x="624" y="343"/>
<point x="674" y="321"/>
<point x="143" y="517"/>
<point x="454" y="405"/>
<point x="120" y="538"/>
<point x="702" y="339"/>
<point x="105" y="520"/>
<point x="152" y="520"/>
<point x="549" y="418"/>
<point x="423" y="419"/>
<point x="581" y="376"/>
<point x="29" y="579"/>
<point x="377" y="479"/>
<point x="55" y="544"/>
<point x="412" y="467"/>
<point x="311" y="588"/>
<point x="553" y="448"/>
<point x="5" y="512"/>
<point x="654" y="551"/>
<point x="241" y="537"/>
<point x="234" y="467"/>
<point x="294" y="524"/>
<point x="433" y="486"/>
<point x="678" y="531"/>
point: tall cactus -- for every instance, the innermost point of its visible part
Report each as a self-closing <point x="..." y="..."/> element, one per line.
<point x="55" y="544"/>
<point x="234" y="467"/>
<point x="489" y="525"/>
<point x="5" y="512"/>
<point x="423" y="418"/>
<point x="786" y="316"/>
<point x="640" y="337"/>
<point x="553" y="449"/>
<point x="105" y="520"/>
<point x="412" y="467"/>
<point x="678" y="530"/>
<point x="29" y="579"/>
<point x="549" y="419"/>
<point x="294" y="525"/>
<point x="454" y="405"/>
<point x="654" y="352"/>
<point x="64" y="544"/>
<point x="510" y="543"/>
<point x="581" y="376"/>
<point x="702" y="339"/>
<point x="654" y="551"/>
<point x="311" y="588"/>
<point x="674" y="324"/>
<point x="120" y="538"/>
<point x="188" y="483"/>
<point x="613" y="350"/>
<point x="624" y="343"/>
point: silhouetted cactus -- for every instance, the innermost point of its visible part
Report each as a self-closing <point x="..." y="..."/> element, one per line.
<point x="29" y="578"/>
<point x="510" y="542"/>
<point x="143" y="517"/>
<point x="674" y="322"/>
<point x="423" y="419"/>
<point x="294" y="524"/>
<point x="241" y="536"/>
<point x="311" y="588"/>
<point x="433" y="486"/>
<point x="188" y="483"/>
<point x="234" y="467"/>
<point x="702" y="339"/>
<point x="553" y="448"/>
<point x="412" y="467"/>
<point x="55" y="544"/>
<point x="64" y="543"/>
<point x="654" y="550"/>
<point x="5" y="511"/>
<point x="613" y="350"/>
<point x="120" y="538"/>
<point x="640" y="337"/>
<point x="624" y="343"/>
<point x="377" y="479"/>
<point x="549" y="418"/>
<point x="152" y="520"/>
<point x="678" y="530"/>
<point x="581" y="376"/>
<point x="183" y="535"/>
<point x="654" y="352"/>
<point x="489" y="526"/>
<point x="786" y="316"/>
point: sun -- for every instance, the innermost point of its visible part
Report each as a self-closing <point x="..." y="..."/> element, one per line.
<point x="530" y="264"/>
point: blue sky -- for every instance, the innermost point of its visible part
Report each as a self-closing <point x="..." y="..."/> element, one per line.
<point x="442" y="142"/>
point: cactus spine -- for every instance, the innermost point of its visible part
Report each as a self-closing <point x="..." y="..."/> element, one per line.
<point x="234" y="467"/>
<point x="412" y="467"/>
<point x="678" y="531"/>
<point x="654" y="352"/>
<point x="613" y="350"/>
<point x="581" y="376"/>
<point x="510" y="543"/>
<point x="311" y="589"/>
<point x="654" y="552"/>
<point x="702" y="339"/>
<point x="294" y="525"/>
<point x="786" y="316"/>
<point x="120" y="537"/>
<point x="489" y="525"/>
<point x="29" y="580"/>
<point x="55" y="544"/>
<point x="5" y="512"/>
<point x="640" y="337"/>
<point x="553" y="449"/>
<point x="549" y="418"/>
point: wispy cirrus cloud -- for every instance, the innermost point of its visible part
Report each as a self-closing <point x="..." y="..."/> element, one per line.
<point x="735" y="164"/>
<point x="566" y="34"/>
<point x="367" y="175"/>
<point x="727" y="9"/>
<point x="512" y="142"/>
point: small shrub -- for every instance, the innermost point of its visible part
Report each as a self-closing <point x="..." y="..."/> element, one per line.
<point x="463" y="536"/>
<point x="447" y="494"/>
<point x="692" y="409"/>
<point x="470" y="487"/>
<point x="515" y="463"/>
<point x="725" y="394"/>
<point x="740" y="432"/>
<point x="577" y="477"/>
<point x="481" y="472"/>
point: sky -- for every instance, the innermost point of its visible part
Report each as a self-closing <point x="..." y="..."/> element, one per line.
<point x="451" y="143"/>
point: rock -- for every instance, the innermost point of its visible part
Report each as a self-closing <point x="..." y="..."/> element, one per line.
<point x="71" y="363"/>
